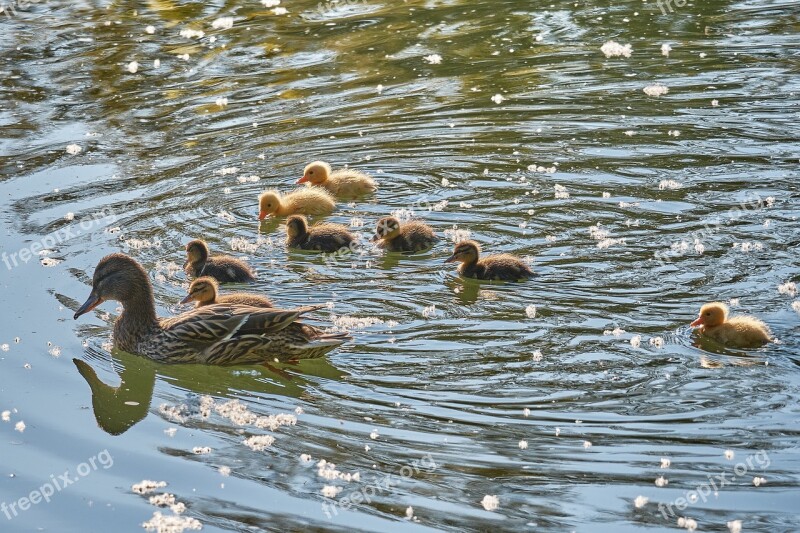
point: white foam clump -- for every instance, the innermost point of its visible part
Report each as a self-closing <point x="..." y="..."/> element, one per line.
<point x="176" y="413"/>
<point x="168" y="500"/>
<point x="656" y="90"/>
<point x="688" y="523"/>
<point x="20" y="426"/>
<point x="329" y="471"/>
<point x="729" y="455"/>
<point x="433" y="59"/>
<point x="758" y="481"/>
<point x="354" y="322"/>
<point x="225" y="471"/>
<point x="665" y="462"/>
<point x="150" y="30"/>
<point x="146" y="485"/>
<point x="6" y="416"/>
<point x="239" y="414"/>
<point x="530" y="311"/>
<point x="171" y="523"/>
<point x="536" y="356"/>
<point x="523" y="445"/>
<point x="73" y="149"/>
<point x="201" y="450"/>
<point x="640" y="501"/>
<point x="615" y="332"/>
<point x="665" y="50"/>
<point x="636" y="341"/>
<point x="490" y="502"/>
<point x="587" y="444"/>
<point x="661" y="481"/>
<point x="330" y="491"/>
<point x="271" y="3"/>
<point x="735" y="526"/>
<point x="409" y="513"/>
<point x="429" y="311"/>
<point x="457" y="235"/>
<point x="279" y="11"/>
<point x="541" y="169"/>
<point x="560" y="192"/>
<point x="796" y="306"/>
<point x="669" y="184"/>
<point x="190" y="33"/>
<point x="608" y="243"/>
<point x="223" y="23"/>
<point x="133" y="67"/>
<point x="498" y="98"/>
<point x="259" y="443"/>
<point x="658" y="342"/>
<point x="596" y="232"/>
<point x="614" y="49"/>
<point x="789" y="288"/>
<point x="240" y="244"/>
<point x="221" y="101"/>
<point x="402" y="214"/>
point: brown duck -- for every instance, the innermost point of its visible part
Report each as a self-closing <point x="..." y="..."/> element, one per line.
<point x="502" y="267"/>
<point x="223" y="268"/>
<point x="322" y="237"/>
<point x="413" y="236"/>
<point x="219" y="334"/>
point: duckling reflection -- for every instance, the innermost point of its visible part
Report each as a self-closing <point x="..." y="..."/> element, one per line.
<point x="466" y="290"/>
<point x="119" y="408"/>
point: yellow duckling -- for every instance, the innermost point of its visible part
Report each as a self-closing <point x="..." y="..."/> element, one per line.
<point x="502" y="267"/>
<point x="204" y="292"/>
<point x="413" y="236"/>
<point x="343" y="183"/>
<point x="737" y="331"/>
<point x="322" y="237"/>
<point x="309" y="201"/>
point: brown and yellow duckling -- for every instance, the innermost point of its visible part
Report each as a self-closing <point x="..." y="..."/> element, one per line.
<point x="204" y="291"/>
<point x="502" y="267"/>
<point x="739" y="331"/>
<point x="345" y="182"/>
<point x="412" y="236"/>
<point x="308" y="201"/>
<point x="223" y="268"/>
<point x="218" y="334"/>
<point x="322" y="237"/>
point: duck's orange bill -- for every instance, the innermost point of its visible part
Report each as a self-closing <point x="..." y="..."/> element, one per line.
<point x="304" y="179"/>
<point x="262" y="215"/>
<point x="698" y="322"/>
<point x="92" y="302"/>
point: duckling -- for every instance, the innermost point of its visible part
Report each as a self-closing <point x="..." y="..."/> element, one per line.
<point x="343" y="183"/>
<point x="504" y="267"/>
<point x="204" y="290"/>
<point x="413" y="236"/>
<point x="223" y="268"/>
<point x="737" y="331"/>
<point x="309" y="201"/>
<point x="323" y="237"/>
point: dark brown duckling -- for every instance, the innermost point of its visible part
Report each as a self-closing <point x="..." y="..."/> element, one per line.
<point x="322" y="237"/>
<point x="502" y="267"/>
<point x="204" y="291"/>
<point x="413" y="236"/>
<point x="223" y="268"/>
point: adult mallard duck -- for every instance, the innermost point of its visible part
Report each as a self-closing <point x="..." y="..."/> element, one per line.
<point x="502" y="267"/>
<point x="413" y="236"/>
<point x="737" y="331"/>
<point x="322" y="237"/>
<point x="308" y="201"/>
<point x="204" y="291"/>
<point x="223" y="268"/>
<point x="219" y="334"/>
<point x="344" y="182"/>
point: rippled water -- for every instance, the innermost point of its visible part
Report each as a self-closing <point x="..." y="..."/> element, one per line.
<point x="636" y="208"/>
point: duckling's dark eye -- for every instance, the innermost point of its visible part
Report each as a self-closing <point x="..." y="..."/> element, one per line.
<point x="708" y="313"/>
<point x="310" y="171"/>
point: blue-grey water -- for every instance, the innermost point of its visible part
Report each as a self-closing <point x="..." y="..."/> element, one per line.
<point x="578" y="401"/>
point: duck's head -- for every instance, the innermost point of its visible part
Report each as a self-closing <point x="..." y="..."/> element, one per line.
<point x="465" y="252"/>
<point x="202" y="290"/>
<point x="387" y="228"/>
<point x="268" y="204"/>
<point x="315" y="173"/>
<point x="117" y="277"/>
<point x="196" y="252"/>
<point x="296" y="226"/>
<point x="713" y="314"/>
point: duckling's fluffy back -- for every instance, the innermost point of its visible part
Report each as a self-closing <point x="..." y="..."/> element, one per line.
<point x="225" y="268"/>
<point x="414" y="236"/>
<point x="349" y="182"/>
<point x="740" y="331"/>
<point x="310" y="200"/>
<point x="323" y="237"/>
<point x="502" y="267"/>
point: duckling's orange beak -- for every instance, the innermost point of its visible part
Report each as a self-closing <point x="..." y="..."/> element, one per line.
<point x="187" y="299"/>
<point x="451" y="259"/>
<point x="304" y="179"/>
<point x="262" y="215"/>
<point x="93" y="301"/>
<point x="698" y="322"/>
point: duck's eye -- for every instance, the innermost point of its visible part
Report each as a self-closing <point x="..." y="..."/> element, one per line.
<point x="310" y="171"/>
<point x="708" y="313"/>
